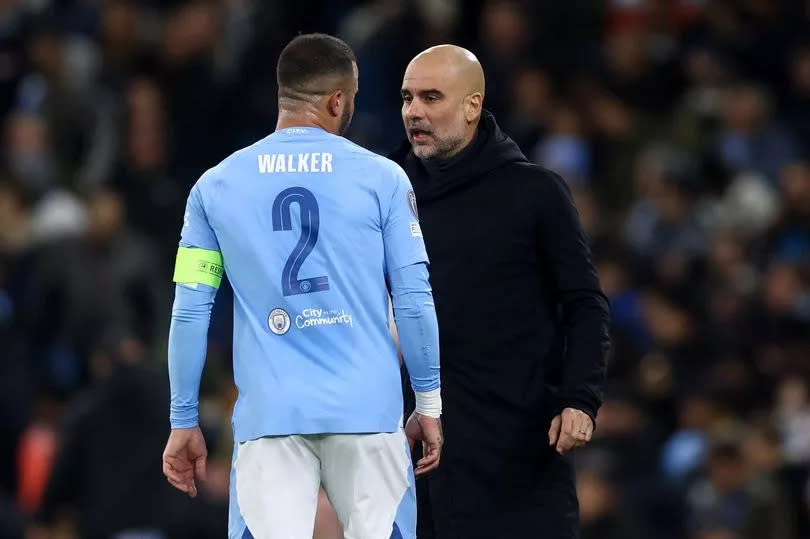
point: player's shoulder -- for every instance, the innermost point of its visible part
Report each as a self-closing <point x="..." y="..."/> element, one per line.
<point x="385" y="172"/>
<point x="364" y="153"/>
<point x="220" y="172"/>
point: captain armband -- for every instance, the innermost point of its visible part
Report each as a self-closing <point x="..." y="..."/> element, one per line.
<point x="198" y="266"/>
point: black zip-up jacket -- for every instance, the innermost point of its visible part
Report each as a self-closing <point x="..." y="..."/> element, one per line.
<point x="523" y="321"/>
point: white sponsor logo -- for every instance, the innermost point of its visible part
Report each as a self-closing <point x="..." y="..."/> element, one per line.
<point x="322" y="317"/>
<point x="416" y="230"/>
<point x="279" y="321"/>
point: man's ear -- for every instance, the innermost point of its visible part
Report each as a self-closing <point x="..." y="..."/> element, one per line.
<point x="335" y="103"/>
<point x="473" y="104"/>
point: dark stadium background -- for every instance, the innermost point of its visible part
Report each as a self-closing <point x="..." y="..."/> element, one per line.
<point x="682" y="126"/>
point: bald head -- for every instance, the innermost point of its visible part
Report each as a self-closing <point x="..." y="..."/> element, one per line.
<point x="442" y="94"/>
<point x="456" y="65"/>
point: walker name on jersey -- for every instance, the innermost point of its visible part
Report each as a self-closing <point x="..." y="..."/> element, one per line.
<point x="322" y="317"/>
<point x="271" y="163"/>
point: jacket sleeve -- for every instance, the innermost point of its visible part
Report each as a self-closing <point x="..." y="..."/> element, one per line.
<point x="583" y="307"/>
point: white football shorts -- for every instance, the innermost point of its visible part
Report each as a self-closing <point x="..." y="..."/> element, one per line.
<point x="367" y="477"/>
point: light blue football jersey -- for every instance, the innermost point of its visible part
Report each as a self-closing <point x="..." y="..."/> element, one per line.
<point x="308" y="224"/>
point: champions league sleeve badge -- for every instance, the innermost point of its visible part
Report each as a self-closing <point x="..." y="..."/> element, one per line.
<point x="412" y="204"/>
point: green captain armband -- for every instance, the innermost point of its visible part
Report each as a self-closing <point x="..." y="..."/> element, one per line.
<point x="198" y="266"/>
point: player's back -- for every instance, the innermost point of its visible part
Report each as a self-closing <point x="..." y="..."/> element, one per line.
<point x="300" y="219"/>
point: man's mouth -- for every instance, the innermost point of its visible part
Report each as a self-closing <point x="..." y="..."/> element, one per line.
<point x="419" y="136"/>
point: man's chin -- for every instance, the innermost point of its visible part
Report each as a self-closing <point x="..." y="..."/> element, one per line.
<point x="423" y="152"/>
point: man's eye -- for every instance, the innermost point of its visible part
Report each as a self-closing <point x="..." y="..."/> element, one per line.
<point x="406" y="98"/>
<point x="432" y="98"/>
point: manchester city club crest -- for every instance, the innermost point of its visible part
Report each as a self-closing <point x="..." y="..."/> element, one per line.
<point x="412" y="204"/>
<point x="279" y="321"/>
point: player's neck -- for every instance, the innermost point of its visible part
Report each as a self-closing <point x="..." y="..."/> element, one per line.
<point x="300" y="118"/>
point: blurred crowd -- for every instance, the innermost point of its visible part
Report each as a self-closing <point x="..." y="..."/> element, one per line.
<point x="682" y="126"/>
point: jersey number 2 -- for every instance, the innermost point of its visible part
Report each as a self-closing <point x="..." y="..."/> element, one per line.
<point x="282" y="220"/>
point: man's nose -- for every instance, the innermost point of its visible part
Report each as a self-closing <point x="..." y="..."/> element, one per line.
<point x="414" y="110"/>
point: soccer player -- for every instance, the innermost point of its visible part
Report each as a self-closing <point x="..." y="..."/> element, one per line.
<point x="313" y="232"/>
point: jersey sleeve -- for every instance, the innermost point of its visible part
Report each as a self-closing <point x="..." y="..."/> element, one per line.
<point x="199" y="260"/>
<point x="197" y="231"/>
<point x="402" y="235"/>
<point x="198" y="272"/>
<point x="415" y="316"/>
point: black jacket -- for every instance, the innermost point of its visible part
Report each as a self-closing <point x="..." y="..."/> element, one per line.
<point x="518" y="299"/>
<point x="523" y="321"/>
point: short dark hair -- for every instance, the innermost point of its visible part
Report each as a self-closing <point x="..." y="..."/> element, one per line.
<point x="308" y="60"/>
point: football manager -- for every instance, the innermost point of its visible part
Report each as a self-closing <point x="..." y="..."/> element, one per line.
<point x="522" y="317"/>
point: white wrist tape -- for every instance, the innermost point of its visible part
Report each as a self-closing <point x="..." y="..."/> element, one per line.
<point x="429" y="403"/>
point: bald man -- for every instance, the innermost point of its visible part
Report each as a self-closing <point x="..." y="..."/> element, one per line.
<point x="523" y="319"/>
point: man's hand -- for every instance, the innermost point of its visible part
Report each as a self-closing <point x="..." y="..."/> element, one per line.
<point x="571" y="429"/>
<point x="184" y="459"/>
<point x="428" y="430"/>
